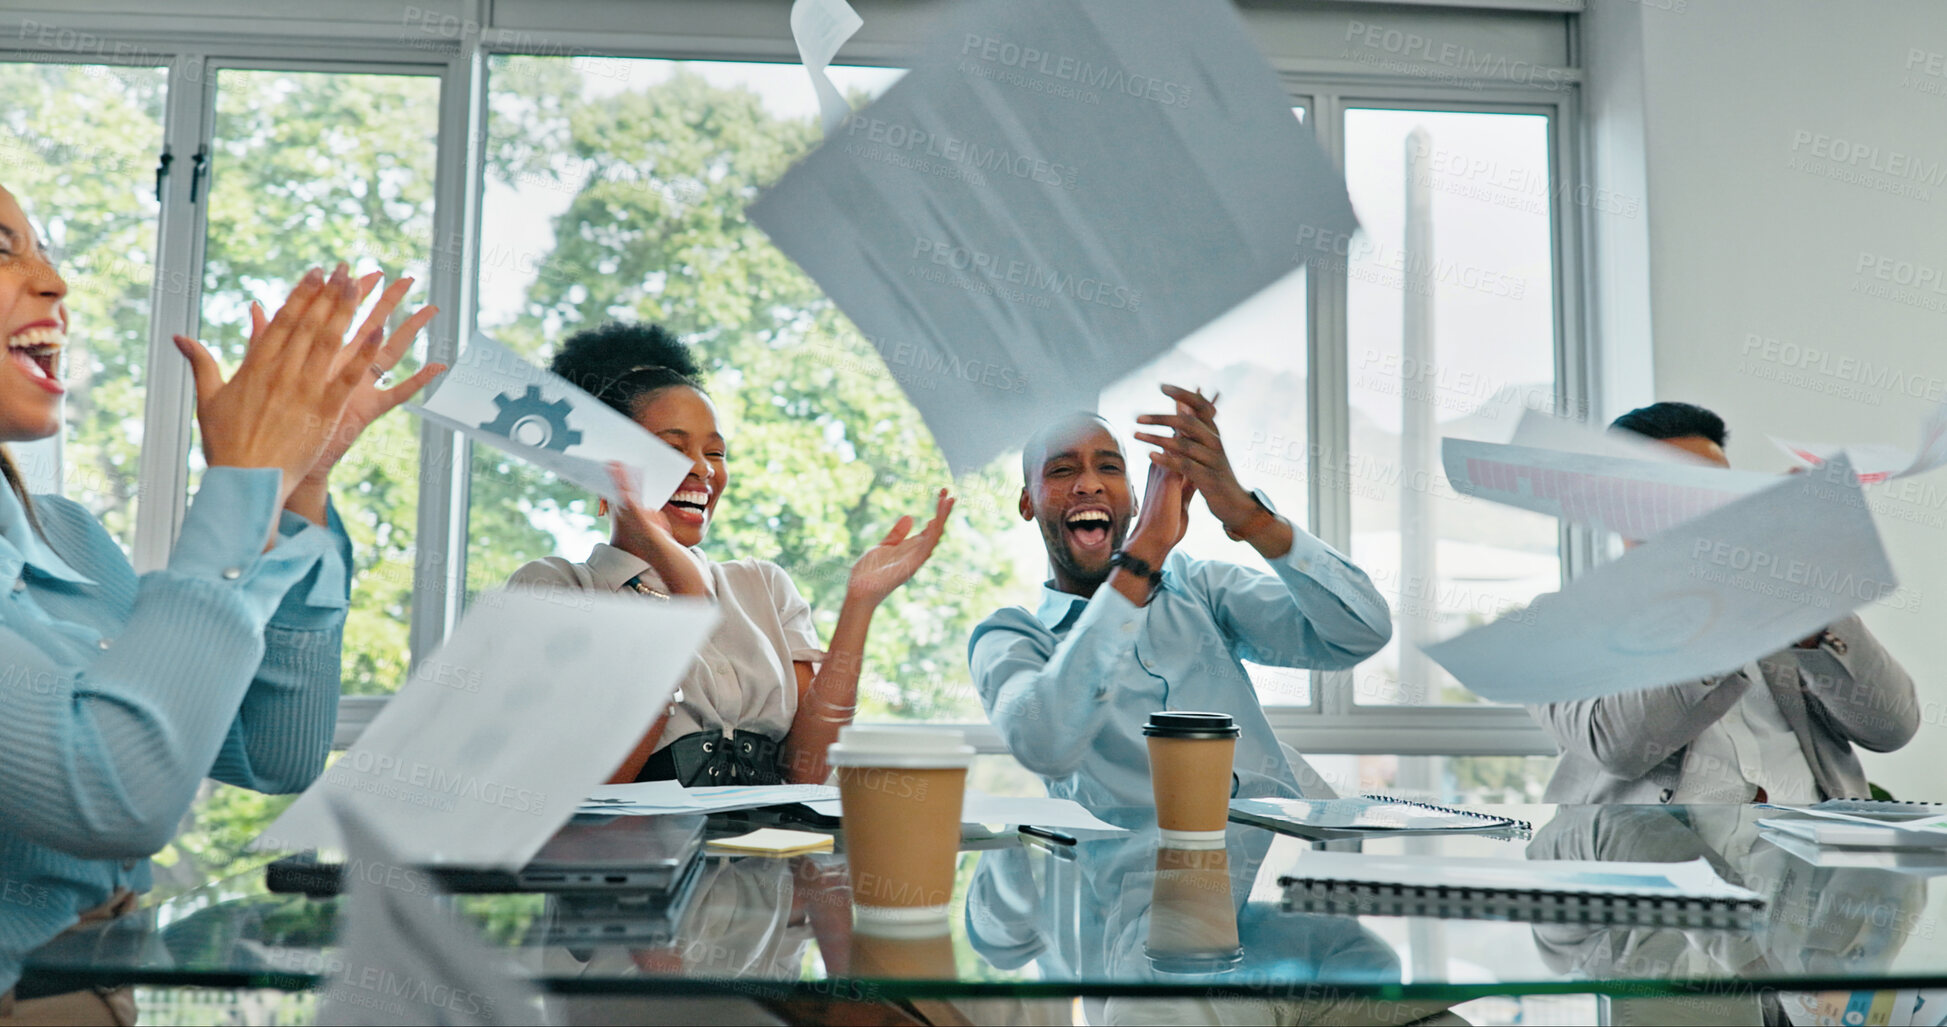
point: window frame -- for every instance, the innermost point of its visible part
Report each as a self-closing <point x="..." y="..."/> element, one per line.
<point x="195" y="45"/>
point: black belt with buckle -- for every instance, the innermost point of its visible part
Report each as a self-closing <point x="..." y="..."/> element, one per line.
<point x="710" y="757"/>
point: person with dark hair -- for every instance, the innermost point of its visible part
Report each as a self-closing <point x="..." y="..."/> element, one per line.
<point x="763" y="701"/>
<point x="119" y="692"/>
<point x="1782" y="728"/>
<point x="1128" y="625"/>
<point x="1678" y="424"/>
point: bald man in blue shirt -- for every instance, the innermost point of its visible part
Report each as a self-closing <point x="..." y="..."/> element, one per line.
<point x="1128" y="626"/>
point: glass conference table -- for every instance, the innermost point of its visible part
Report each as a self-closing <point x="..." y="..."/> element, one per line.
<point x="1049" y="922"/>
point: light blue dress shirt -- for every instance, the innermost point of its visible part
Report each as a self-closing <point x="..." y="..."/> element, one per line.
<point x="1071" y="685"/>
<point x="119" y="694"/>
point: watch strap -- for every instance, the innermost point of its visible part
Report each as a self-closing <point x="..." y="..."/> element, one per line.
<point x="1136" y="565"/>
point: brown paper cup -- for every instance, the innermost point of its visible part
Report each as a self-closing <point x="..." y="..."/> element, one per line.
<point x="900" y="791"/>
<point x="1191" y="778"/>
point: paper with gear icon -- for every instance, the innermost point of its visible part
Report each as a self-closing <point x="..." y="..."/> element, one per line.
<point x="493" y="396"/>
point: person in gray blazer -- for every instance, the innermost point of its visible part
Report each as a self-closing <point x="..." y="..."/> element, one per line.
<point x="1781" y="729"/>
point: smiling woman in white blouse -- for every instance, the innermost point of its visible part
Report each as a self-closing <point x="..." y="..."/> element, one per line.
<point x="763" y="700"/>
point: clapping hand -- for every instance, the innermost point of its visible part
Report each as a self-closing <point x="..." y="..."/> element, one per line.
<point x="297" y="375"/>
<point x="368" y="400"/>
<point x="894" y="560"/>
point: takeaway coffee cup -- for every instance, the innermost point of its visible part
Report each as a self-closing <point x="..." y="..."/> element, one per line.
<point x="1189" y="767"/>
<point x="908" y="951"/>
<point x="900" y="792"/>
<point x="1192" y="919"/>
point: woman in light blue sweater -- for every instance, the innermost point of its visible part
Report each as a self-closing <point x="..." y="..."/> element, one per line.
<point x="119" y="693"/>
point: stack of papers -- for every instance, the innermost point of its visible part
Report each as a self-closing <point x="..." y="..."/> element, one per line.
<point x="1014" y="810"/>
<point x="1897" y="839"/>
<point x="1850" y="830"/>
<point x="649" y="798"/>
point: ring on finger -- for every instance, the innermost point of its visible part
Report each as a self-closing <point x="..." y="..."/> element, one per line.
<point x="379" y="374"/>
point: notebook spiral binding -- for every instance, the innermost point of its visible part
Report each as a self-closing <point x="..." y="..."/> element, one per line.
<point x="1518" y="829"/>
<point x="1367" y="898"/>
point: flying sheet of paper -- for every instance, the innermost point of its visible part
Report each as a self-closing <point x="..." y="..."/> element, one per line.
<point x="1055" y="194"/>
<point x="1704" y="598"/>
<point x="401" y="958"/>
<point x="526" y="708"/>
<point x="1547" y="431"/>
<point x="1876" y="462"/>
<point x="978" y="807"/>
<point x="495" y="397"/>
<point x="1638" y="499"/>
<point x="820" y="27"/>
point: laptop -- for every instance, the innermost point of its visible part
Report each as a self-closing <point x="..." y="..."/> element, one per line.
<point x="589" y="853"/>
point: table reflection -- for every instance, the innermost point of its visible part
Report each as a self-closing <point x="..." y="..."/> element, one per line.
<point x="1152" y="932"/>
<point x="1818" y="921"/>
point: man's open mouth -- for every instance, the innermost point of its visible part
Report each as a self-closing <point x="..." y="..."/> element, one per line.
<point x="691" y="506"/>
<point x="1090" y="527"/>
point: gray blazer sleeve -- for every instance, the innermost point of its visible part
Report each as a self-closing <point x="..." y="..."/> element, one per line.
<point x="1862" y="694"/>
<point x="1631" y="733"/>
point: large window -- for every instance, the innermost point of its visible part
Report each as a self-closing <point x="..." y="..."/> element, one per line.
<point x="534" y="186"/>
<point x="78" y="148"/>
<point x="310" y="169"/>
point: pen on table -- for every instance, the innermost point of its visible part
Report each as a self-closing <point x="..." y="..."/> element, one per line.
<point x="1046" y="834"/>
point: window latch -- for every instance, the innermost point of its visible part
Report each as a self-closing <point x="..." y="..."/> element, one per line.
<point x="162" y="171"/>
<point x="202" y="166"/>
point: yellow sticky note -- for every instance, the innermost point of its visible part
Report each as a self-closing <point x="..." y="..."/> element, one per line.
<point x="772" y="841"/>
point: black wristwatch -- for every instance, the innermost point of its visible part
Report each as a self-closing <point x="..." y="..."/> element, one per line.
<point x="1136" y="565"/>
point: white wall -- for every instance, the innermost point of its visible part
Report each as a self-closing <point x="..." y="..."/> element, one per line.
<point x="1749" y="243"/>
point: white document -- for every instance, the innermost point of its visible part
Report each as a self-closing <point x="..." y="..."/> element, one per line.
<point x="492" y="744"/>
<point x="1057" y="193"/>
<point x="978" y="807"/>
<point x="1876" y="462"/>
<point x="1700" y="600"/>
<point x="1014" y="810"/>
<point x="495" y="397"/>
<point x="1546" y="431"/>
<point x="658" y="795"/>
<point x="820" y="27"/>
<point x="653" y="798"/>
<point x="1636" y="498"/>
<point x="1826" y="827"/>
<point x="402" y="958"/>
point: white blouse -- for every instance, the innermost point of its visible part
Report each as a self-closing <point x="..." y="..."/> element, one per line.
<point x="743" y="678"/>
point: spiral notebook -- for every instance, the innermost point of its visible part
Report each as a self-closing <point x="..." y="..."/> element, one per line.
<point x="1370" y="814"/>
<point x="1683" y="895"/>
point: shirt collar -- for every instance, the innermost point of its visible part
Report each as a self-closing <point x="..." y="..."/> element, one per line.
<point x="34" y="550"/>
<point x="1057" y="607"/>
<point x="612" y="568"/>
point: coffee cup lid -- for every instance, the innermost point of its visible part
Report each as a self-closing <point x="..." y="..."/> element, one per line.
<point x="909" y="748"/>
<point x="1195" y="961"/>
<point x="1176" y="724"/>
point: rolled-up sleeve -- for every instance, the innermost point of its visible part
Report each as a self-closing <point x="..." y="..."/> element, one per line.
<point x="1317" y="610"/>
<point x="102" y="757"/>
<point x="1049" y="699"/>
